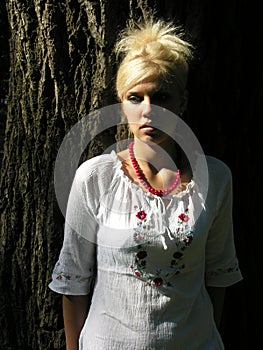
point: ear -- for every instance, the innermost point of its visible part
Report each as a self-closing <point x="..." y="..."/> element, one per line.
<point x="184" y="101"/>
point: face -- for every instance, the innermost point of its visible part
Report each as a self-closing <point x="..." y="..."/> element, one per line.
<point x="148" y="122"/>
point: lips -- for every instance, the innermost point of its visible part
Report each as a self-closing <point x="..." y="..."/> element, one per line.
<point x="147" y="127"/>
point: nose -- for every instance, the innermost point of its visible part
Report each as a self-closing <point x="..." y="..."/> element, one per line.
<point x="146" y="106"/>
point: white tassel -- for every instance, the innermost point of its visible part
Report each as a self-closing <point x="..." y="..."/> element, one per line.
<point x="169" y="234"/>
<point x="164" y="243"/>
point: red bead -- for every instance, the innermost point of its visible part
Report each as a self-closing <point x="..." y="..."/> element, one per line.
<point x="140" y="176"/>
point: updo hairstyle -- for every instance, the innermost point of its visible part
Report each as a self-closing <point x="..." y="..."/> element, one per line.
<point x="153" y="50"/>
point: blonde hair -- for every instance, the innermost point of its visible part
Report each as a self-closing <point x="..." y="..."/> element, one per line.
<point x="152" y="50"/>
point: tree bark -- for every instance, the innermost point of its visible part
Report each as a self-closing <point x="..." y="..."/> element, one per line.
<point x="62" y="68"/>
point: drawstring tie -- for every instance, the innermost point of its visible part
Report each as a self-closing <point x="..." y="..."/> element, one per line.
<point x="170" y="235"/>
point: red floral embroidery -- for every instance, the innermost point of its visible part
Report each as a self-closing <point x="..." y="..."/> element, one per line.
<point x="62" y="275"/>
<point x="183" y="217"/>
<point x="158" y="281"/>
<point x="139" y="268"/>
<point x="141" y="215"/>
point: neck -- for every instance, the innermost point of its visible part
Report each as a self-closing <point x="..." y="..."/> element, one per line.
<point x="156" y="156"/>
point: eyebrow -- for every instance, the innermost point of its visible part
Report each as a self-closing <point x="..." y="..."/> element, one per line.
<point x="154" y="91"/>
<point x="132" y="92"/>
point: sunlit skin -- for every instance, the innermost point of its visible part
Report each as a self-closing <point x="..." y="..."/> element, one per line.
<point x="154" y="149"/>
<point x="138" y="105"/>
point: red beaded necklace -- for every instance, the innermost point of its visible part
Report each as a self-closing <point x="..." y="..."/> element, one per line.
<point x="144" y="182"/>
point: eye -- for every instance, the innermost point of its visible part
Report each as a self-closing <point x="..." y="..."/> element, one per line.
<point x="134" y="99"/>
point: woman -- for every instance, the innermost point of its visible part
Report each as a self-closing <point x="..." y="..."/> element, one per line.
<point x="148" y="247"/>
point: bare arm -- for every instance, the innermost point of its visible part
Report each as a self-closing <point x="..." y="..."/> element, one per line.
<point x="75" y="309"/>
<point x="217" y="295"/>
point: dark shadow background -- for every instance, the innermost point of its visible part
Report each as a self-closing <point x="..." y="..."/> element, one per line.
<point x="225" y="108"/>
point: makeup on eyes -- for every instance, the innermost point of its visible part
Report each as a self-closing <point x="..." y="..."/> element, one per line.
<point x="157" y="96"/>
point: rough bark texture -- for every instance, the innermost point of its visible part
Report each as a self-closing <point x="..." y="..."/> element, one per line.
<point x="63" y="67"/>
<point x="4" y="74"/>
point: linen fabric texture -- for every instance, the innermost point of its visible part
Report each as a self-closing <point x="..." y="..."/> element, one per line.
<point x="147" y="259"/>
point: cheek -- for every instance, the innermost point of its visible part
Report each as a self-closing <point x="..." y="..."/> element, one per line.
<point x="132" y="112"/>
<point x="133" y="128"/>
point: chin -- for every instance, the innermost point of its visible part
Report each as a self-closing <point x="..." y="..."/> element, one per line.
<point x="153" y="139"/>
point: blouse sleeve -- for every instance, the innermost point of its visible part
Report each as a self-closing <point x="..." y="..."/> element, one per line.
<point x="222" y="267"/>
<point x="73" y="274"/>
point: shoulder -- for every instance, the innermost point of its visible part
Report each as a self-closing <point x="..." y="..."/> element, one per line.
<point x="94" y="175"/>
<point x="212" y="172"/>
<point x="102" y="166"/>
<point x="220" y="177"/>
<point x="217" y="168"/>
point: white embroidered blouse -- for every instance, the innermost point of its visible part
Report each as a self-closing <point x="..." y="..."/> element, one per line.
<point x="147" y="261"/>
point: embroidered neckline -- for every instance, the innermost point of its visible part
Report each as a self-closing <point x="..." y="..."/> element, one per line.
<point x="118" y="164"/>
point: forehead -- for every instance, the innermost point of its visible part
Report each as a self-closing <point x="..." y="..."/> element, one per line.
<point x="151" y="85"/>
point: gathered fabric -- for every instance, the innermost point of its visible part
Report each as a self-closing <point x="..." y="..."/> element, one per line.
<point x="148" y="259"/>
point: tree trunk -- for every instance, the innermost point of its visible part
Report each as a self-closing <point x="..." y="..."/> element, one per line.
<point x="62" y="68"/>
<point x="61" y="63"/>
